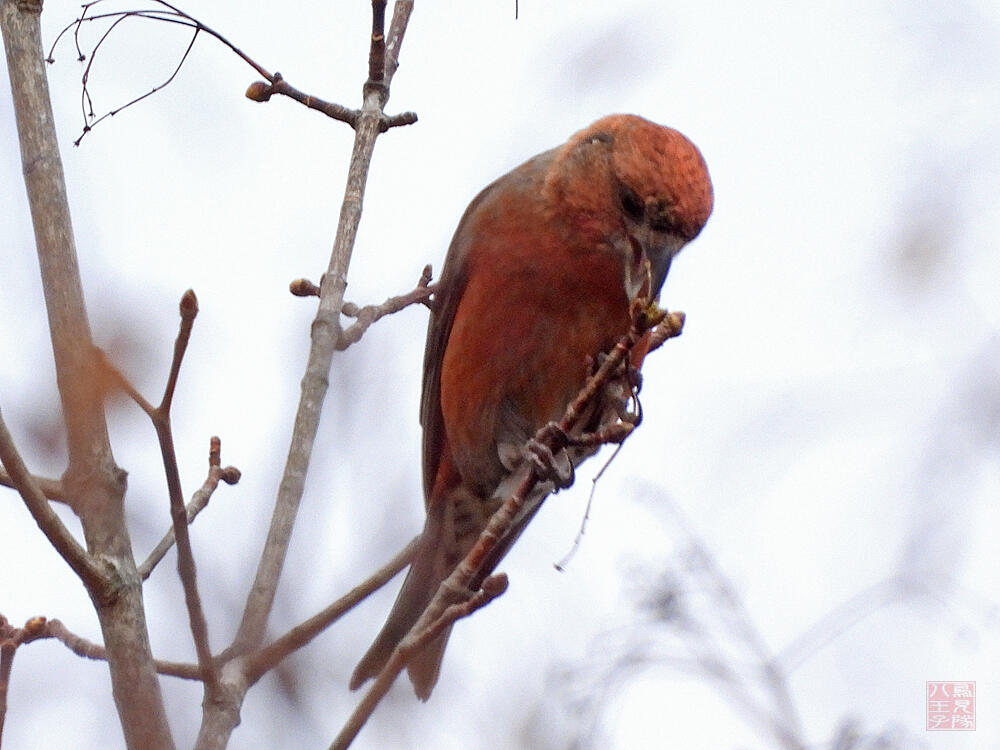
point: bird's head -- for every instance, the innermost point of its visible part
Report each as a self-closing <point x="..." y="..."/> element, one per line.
<point x="639" y="189"/>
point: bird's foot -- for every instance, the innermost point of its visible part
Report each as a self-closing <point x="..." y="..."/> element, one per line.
<point x="551" y="466"/>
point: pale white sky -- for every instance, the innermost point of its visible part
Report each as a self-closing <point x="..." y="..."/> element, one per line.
<point x="828" y="420"/>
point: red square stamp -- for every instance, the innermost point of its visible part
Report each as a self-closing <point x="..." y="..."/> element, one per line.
<point x="951" y="706"/>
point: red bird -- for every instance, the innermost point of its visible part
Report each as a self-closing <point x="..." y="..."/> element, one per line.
<point x="537" y="282"/>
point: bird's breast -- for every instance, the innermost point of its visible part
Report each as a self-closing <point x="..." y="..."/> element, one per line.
<point x="532" y="315"/>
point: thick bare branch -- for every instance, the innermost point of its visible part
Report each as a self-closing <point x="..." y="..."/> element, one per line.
<point x="92" y="478"/>
<point x="326" y="332"/>
<point x="221" y="717"/>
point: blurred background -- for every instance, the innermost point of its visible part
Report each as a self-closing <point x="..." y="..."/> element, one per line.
<point x="801" y="534"/>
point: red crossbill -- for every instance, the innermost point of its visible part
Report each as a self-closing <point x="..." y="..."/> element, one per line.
<point x="537" y="282"/>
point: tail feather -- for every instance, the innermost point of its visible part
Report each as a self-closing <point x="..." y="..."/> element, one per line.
<point x="422" y="581"/>
<point x="455" y="518"/>
<point x="425" y="667"/>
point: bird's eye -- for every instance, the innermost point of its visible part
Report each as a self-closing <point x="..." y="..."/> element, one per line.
<point x="631" y="203"/>
<point x="663" y="219"/>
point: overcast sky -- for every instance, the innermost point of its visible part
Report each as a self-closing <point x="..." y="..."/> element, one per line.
<point x="827" y="423"/>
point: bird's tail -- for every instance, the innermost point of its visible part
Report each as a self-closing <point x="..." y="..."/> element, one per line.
<point x="455" y="518"/>
<point x="422" y="581"/>
<point x="452" y="526"/>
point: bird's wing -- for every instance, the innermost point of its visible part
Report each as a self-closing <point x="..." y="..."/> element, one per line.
<point x="450" y="288"/>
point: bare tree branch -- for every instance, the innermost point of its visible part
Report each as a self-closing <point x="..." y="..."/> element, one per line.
<point x="51" y="525"/>
<point x="258" y="91"/>
<point x="39" y="628"/>
<point x="160" y="417"/>
<point x="326" y="332"/>
<point x="10" y="639"/>
<point x="220" y="717"/>
<point x="272" y="654"/>
<point x="90" y="650"/>
<point x="92" y="478"/>
<point x="51" y="488"/>
<point x="7" y="651"/>
<point x="366" y="316"/>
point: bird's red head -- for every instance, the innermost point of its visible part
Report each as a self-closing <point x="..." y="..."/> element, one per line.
<point x="638" y="187"/>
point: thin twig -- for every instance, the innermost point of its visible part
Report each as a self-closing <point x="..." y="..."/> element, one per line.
<point x="185" y="557"/>
<point x="271" y="655"/>
<point x="51" y="488"/>
<point x="216" y="473"/>
<point x="10" y="639"/>
<point x="189" y="311"/>
<point x="51" y="525"/>
<point x="561" y="565"/>
<point x="369" y="314"/>
<point x="86" y="103"/>
<point x="90" y="650"/>
<point x="7" y="650"/>
<point x="39" y="628"/>
<point x="258" y="91"/>
<point x="172" y="15"/>
<point x="366" y="316"/>
<point x="160" y="417"/>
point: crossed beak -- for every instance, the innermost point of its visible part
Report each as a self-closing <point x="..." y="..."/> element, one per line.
<point x="649" y="264"/>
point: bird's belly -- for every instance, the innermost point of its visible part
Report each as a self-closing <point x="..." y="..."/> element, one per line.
<point x="514" y="360"/>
